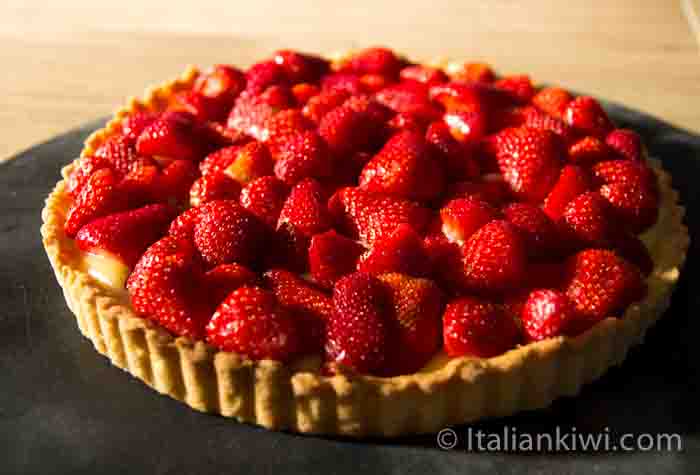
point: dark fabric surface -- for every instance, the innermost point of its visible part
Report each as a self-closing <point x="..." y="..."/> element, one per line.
<point x="65" y="409"/>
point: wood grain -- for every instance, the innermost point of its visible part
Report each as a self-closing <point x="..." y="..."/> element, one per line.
<point x="67" y="62"/>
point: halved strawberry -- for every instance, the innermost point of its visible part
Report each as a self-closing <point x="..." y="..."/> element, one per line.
<point x="589" y="219"/>
<point x="589" y="150"/>
<point x="475" y="327"/>
<point x="252" y="161"/>
<point x="371" y="216"/>
<point x="213" y="187"/>
<point x="536" y="228"/>
<point x="98" y="197"/>
<point x="305" y="209"/>
<point x="587" y="116"/>
<point x="302" y="155"/>
<point x="530" y="161"/>
<point x="226" y="232"/>
<point x="223" y="82"/>
<point x="548" y="313"/>
<point x="462" y="217"/>
<point x="251" y="322"/>
<point x="552" y="100"/>
<point x="601" y="284"/>
<point x="417" y="309"/>
<point x="331" y="256"/>
<point x="175" y="136"/>
<point x="265" y="198"/>
<point x="573" y="181"/>
<point x="359" y="330"/>
<point x="494" y="258"/>
<point x="163" y="288"/>
<point x="402" y="251"/>
<point x="224" y="279"/>
<point x="627" y="143"/>
<point x="405" y="167"/>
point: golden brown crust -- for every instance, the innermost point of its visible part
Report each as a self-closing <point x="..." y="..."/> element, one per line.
<point x="268" y="393"/>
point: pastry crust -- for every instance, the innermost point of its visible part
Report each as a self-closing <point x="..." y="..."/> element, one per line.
<point x="277" y="396"/>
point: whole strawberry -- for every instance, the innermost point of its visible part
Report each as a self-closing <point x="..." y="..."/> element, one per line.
<point x="213" y="187"/>
<point x="251" y="322"/>
<point x="305" y="209"/>
<point x="586" y="115"/>
<point x="223" y="82"/>
<point x="627" y="143"/>
<point x="175" y="135"/>
<point x="589" y="219"/>
<point x="302" y="155"/>
<point x="252" y="161"/>
<point x="535" y="227"/>
<point x="402" y="251"/>
<point x="98" y="197"/>
<point x="224" y="279"/>
<point x="462" y="217"/>
<point x="331" y="256"/>
<point x="475" y="327"/>
<point x="552" y="100"/>
<point x="119" y="152"/>
<point x="573" y="181"/>
<point x="265" y="198"/>
<point x="549" y="313"/>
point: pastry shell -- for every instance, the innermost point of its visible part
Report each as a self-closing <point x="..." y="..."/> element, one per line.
<point x="280" y="397"/>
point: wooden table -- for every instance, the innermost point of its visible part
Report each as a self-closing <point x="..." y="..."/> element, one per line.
<point x="64" y="63"/>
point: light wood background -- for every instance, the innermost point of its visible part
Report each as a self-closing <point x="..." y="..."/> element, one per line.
<point x="63" y="63"/>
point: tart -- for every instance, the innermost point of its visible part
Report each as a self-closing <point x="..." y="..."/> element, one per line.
<point x="364" y="245"/>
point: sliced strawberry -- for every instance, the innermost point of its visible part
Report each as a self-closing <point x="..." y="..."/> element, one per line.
<point x="573" y="181"/>
<point x="305" y="209"/>
<point x="252" y="161"/>
<point x="213" y="187"/>
<point x="302" y="155"/>
<point x="372" y="217"/>
<point x="589" y="219"/>
<point x="225" y="232"/>
<point x="405" y="167"/>
<point x="359" y="330"/>
<point x="462" y="217"/>
<point x="549" y="313"/>
<point x="587" y="116"/>
<point x="126" y="235"/>
<point x="535" y="227"/>
<point x="98" y="197"/>
<point x="475" y="327"/>
<point x="627" y="143"/>
<point x="163" y="288"/>
<point x="530" y="161"/>
<point x="223" y="82"/>
<point x="601" y="284"/>
<point x="119" y="152"/>
<point x="85" y="167"/>
<point x="519" y="87"/>
<point x="475" y="72"/>
<point x="251" y="322"/>
<point x="417" y="308"/>
<point x="374" y="61"/>
<point x="318" y="106"/>
<point x="224" y="279"/>
<point x="175" y="135"/>
<point x="331" y="256"/>
<point x="182" y="227"/>
<point x="552" y="100"/>
<point x="301" y="67"/>
<point x="265" y="198"/>
<point x="252" y="111"/>
<point x="494" y="258"/>
<point x="134" y="124"/>
<point x="402" y="251"/>
<point x="589" y="150"/>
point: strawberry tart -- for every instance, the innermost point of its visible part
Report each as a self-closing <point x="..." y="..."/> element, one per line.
<point x="364" y="245"/>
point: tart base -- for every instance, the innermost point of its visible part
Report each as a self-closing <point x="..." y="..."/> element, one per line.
<point x="276" y="396"/>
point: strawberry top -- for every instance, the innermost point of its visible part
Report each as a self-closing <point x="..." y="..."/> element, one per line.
<point x="369" y="209"/>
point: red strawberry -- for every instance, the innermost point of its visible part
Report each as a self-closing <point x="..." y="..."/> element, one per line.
<point x="417" y="305"/>
<point x="372" y="217"/>
<point x="264" y="74"/>
<point x="302" y="155"/>
<point x="552" y="100"/>
<point x="176" y="180"/>
<point x="536" y="228"/>
<point x="305" y="301"/>
<point x="226" y="232"/>
<point x="375" y="82"/>
<point x="300" y="67"/>
<point x="519" y="87"/>
<point x="633" y="249"/>
<point x="163" y="288"/>
<point x="304" y="91"/>
<point x="203" y="108"/>
<point x="634" y="205"/>
<point x="320" y="105"/>
<point x="470" y="97"/>
<point x="530" y="161"/>
<point x="589" y="219"/>
<point x="467" y="126"/>
<point x="332" y="256"/>
<point x="587" y="116"/>
<point x="251" y="111"/>
<point x="405" y="167"/>
<point x="601" y="284"/>
<point x="98" y="197"/>
<point x="134" y="124"/>
<point x="475" y="72"/>
<point x="494" y="258"/>
<point x="535" y="119"/>
<point x="223" y="82"/>
<point x="252" y="161"/>
<point x="175" y="135"/>
<point x="265" y="198"/>
<point x="182" y="227"/>
<point x="495" y="193"/>
<point x="251" y="322"/>
<point x="346" y="82"/>
<point x="85" y="167"/>
<point x="374" y="61"/>
<point x="216" y="162"/>
<point x="305" y="209"/>
<point x="573" y="181"/>
<point x="126" y="235"/>
<point x="281" y="126"/>
<point x="462" y="217"/>
<point x="589" y="150"/>
<point x="423" y="74"/>
<point x="401" y="252"/>
<point x="119" y="152"/>
<point x="409" y="97"/>
<point x="346" y="130"/>
<point x="475" y="327"/>
<point x="359" y="330"/>
<point x="627" y="143"/>
<point x="445" y="259"/>
<point x="624" y="171"/>
<point x="224" y="279"/>
<point x="407" y="121"/>
<point x="213" y="187"/>
<point x="548" y="314"/>
<point x="458" y="157"/>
